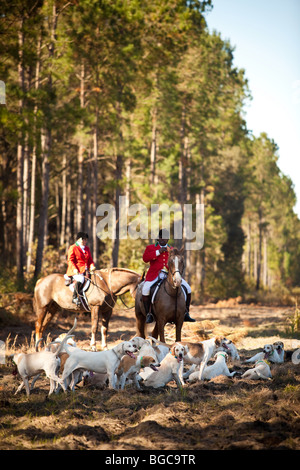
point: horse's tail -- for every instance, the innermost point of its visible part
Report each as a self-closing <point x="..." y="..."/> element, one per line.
<point x="62" y="344"/>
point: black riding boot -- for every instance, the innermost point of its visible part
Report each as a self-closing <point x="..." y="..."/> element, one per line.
<point x="76" y="293"/>
<point x="187" y="312"/>
<point x="147" y="305"/>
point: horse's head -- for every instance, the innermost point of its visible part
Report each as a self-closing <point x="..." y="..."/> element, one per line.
<point x="176" y="266"/>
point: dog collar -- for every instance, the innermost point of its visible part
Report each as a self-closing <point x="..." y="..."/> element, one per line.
<point x="263" y="360"/>
<point x="141" y="362"/>
<point x="116" y="354"/>
<point x="176" y="357"/>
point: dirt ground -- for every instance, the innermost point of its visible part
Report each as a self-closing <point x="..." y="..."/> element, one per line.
<point x="224" y="413"/>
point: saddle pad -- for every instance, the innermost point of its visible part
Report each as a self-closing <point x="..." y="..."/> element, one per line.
<point x="157" y="288"/>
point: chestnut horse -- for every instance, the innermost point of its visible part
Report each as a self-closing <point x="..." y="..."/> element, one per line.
<point x="51" y="294"/>
<point x="169" y="303"/>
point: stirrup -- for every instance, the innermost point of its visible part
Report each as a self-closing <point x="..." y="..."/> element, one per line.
<point x="76" y="301"/>
<point x="149" y="318"/>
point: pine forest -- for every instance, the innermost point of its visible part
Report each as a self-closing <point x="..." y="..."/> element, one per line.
<point x="110" y="98"/>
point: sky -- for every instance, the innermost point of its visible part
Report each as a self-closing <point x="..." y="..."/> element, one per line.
<point x="266" y="37"/>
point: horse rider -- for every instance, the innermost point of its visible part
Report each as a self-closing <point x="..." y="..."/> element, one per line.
<point x="157" y="255"/>
<point x="80" y="262"/>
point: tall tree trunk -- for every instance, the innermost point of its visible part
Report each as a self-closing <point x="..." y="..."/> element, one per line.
<point x="25" y="196"/>
<point x="118" y="178"/>
<point x="33" y="163"/>
<point x="265" y="265"/>
<point x="183" y="157"/>
<point x="116" y="241"/>
<point x="153" y="149"/>
<point x="259" y="254"/>
<point x="63" y="203"/>
<point x="182" y="176"/>
<point x="58" y="217"/>
<point x="46" y="146"/>
<point x="68" y="209"/>
<point x="4" y="222"/>
<point x="255" y="258"/>
<point x="19" y="222"/>
<point x="79" y="202"/>
<point x="32" y="207"/>
<point x="200" y="199"/>
<point x="128" y="182"/>
<point x="249" y="251"/>
<point x="20" y="167"/>
<point x="87" y="218"/>
<point x="95" y="188"/>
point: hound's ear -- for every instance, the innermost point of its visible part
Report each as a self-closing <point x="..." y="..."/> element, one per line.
<point x="172" y="350"/>
<point x="218" y="341"/>
<point x="169" y="249"/>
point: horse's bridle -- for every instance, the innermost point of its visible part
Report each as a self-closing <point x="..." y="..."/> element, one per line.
<point x="95" y="284"/>
<point x="174" y="272"/>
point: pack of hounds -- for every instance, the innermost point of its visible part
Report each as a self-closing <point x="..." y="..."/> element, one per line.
<point x="140" y="363"/>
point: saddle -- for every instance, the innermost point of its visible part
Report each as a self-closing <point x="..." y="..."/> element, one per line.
<point x="155" y="288"/>
<point x="70" y="282"/>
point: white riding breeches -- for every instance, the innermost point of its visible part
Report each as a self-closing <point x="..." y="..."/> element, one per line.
<point x="79" y="278"/>
<point x="147" y="285"/>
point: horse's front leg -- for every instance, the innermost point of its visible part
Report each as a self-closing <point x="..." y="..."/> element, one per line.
<point x="159" y="330"/>
<point x="140" y="322"/>
<point x="94" y="329"/>
<point x="154" y="333"/>
<point x="44" y="317"/>
<point x="39" y="328"/>
<point x="179" y="324"/>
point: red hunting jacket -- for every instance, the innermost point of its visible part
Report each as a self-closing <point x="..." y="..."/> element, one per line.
<point x="156" y="262"/>
<point x="77" y="259"/>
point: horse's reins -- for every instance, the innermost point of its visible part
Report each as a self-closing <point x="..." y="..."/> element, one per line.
<point x="173" y="287"/>
<point x="101" y="288"/>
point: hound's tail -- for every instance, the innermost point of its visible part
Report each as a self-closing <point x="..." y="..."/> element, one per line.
<point x="68" y="335"/>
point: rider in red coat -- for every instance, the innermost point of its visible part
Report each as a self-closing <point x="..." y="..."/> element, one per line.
<point x="80" y="261"/>
<point x="157" y="255"/>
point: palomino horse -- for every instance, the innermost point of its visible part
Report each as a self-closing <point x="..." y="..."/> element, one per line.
<point x="51" y="294"/>
<point x="169" y="304"/>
